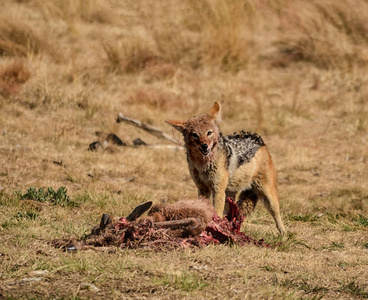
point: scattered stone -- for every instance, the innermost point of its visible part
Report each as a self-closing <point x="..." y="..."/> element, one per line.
<point x="38" y="272"/>
<point x="99" y="133"/>
<point x="95" y="146"/>
<point x="25" y="280"/>
<point x="138" y="142"/>
<point x="114" y="139"/>
<point x="130" y="179"/>
<point x="59" y="163"/>
<point x="89" y="286"/>
<point x="71" y="248"/>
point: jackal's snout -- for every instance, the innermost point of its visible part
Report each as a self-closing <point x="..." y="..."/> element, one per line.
<point x="204" y="149"/>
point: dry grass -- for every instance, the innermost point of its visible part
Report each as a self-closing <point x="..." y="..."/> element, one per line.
<point x="18" y="39"/>
<point x="12" y="77"/>
<point x="295" y="71"/>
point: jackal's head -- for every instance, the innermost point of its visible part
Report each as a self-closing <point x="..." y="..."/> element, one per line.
<point x="201" y="134"/>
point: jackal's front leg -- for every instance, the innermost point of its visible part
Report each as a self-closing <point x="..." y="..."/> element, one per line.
<point x="204" y="190"/>
<point x="219" y="195"/>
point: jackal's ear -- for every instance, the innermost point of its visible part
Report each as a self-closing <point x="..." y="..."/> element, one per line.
<point x="178" y="125"/>
<point x="215" y="112"/>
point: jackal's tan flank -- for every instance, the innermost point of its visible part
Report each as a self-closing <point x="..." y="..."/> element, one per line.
<point x="237" y="165"/>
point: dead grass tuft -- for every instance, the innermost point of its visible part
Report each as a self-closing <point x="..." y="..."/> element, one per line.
<point x="43" y="95"/>
<point x="347" y="19"/>
<point x="12" y="77"/>
<point x="129" y="57"/>
<point x="224" y="29"/>
<point x="156" y="99"/>
<point x="19" y="39"/>
<point x="71" y="11"/>
<point x="330" y="35"/>
<point x="159" y="70"/>
<point x="215" y="34"/>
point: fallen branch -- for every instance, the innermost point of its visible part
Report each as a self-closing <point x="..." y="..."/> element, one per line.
<point x="152" y="130"/>
<point x="177" y="147"/>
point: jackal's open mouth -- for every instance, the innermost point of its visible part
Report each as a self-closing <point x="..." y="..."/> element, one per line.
<point x="204" y="152"/>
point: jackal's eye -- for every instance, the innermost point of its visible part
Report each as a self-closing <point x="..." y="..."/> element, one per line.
<point x="195" y="136"/>
<point x="209" y="133"/>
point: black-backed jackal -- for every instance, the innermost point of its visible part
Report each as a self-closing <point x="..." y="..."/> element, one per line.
<point x="237" y="165"/>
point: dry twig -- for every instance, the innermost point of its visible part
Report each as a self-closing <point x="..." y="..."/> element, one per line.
<point x="152" y="130"/>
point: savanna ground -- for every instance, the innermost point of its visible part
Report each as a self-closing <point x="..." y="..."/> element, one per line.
<point x="294" y="71"/>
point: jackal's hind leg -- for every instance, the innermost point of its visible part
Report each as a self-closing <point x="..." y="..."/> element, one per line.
<point x="247" y="201"/>
<point x="271" y="201"/>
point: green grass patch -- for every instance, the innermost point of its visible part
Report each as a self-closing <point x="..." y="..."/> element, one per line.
<point x="303" y="218"/>
<point x="186" y="282"/>
<point x="361" y="220"/>
<point x="334" y="246"/>
<point x="83" y="198"/>
<point x="268" y="268"/>
<point x="19" y="219"/>
<point x="29" y="215"/>
<point x="306" y="287"/>
<point x="58" y="197"/>
<point x="355" y="289"/>
<point x="284" y="243"/>
<point x="335" y="218"/>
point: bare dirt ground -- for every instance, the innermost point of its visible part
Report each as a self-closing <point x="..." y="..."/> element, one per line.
<point x="293" y="71"/>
